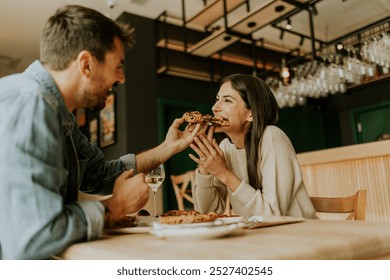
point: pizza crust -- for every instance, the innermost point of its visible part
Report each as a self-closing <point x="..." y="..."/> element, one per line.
<point x="186" y="217"/>
<point x="126" y="221"/>
<point x="197" y="117"/>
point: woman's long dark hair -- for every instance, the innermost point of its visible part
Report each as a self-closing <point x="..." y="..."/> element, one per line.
<point x="259" y="98"/>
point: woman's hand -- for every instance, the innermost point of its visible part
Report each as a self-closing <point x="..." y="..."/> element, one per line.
<point x="210" y="158"/>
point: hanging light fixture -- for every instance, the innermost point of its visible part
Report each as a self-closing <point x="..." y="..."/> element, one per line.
<point x="288" y="25"/>
<point x="285" y="72"/>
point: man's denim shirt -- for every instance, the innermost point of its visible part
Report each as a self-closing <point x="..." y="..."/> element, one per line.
<point x="44" y="161"/>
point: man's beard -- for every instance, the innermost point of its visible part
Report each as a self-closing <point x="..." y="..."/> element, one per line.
<point x="94" y="104"/>
<point x="101" y="105"/>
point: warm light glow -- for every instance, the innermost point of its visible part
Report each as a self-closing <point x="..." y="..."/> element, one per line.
<point x="285" y="73"/>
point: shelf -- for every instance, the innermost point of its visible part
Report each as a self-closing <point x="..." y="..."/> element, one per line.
<point x="225" y="56"/>
<point x="214" y="12"/>
<point x="220" y="44"/>
<point x="259" y="17"/>
<point x="188" y="74"/>
<point x="212" y="44"/>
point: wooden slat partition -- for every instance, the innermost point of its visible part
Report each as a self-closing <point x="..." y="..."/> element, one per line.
<point x="342" y="171"/>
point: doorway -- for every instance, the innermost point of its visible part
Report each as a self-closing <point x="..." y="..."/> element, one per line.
<point x="370" y="122"/>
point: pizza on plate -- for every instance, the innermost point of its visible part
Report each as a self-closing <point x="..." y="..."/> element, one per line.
<point x="126" y="221"/>
<point x="186" y="217"/>
<point x="197" y="117"/>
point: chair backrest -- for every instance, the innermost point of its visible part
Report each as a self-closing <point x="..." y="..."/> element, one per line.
<point x="182" y="186"/>
<point x="355" y="205"/>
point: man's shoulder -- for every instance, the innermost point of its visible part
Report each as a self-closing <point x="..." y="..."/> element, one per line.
<point x="19" y="84"/>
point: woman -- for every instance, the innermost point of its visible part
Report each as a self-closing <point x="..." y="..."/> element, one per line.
<point x="256" y="166"/>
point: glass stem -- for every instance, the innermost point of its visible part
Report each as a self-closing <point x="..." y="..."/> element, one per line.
<point x="154" y="204"/>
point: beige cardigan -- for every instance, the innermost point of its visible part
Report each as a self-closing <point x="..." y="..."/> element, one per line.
<point x="283" y="194"/>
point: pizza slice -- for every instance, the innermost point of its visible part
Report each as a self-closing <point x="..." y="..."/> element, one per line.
<point x="197" y="117"/>
<point x="126" y="221"/>
<point x="186" y="217"/>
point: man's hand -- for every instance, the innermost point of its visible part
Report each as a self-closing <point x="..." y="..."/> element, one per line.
<point x="175" y="142"/>
<point x="130" y="194"/>
<point x="181" y="139"/>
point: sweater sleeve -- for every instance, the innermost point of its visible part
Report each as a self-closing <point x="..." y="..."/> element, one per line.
<point x="209" y="194"/>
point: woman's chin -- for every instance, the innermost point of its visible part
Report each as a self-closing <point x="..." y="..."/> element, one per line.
<point x="219" y="129"/>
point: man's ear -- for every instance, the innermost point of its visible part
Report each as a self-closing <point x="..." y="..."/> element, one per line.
<point x="84" y="62"/>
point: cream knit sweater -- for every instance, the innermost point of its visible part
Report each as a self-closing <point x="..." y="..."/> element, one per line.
<point x="283" y="194"/>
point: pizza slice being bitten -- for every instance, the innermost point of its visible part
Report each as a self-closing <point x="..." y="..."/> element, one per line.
<point x="197" y="117"/>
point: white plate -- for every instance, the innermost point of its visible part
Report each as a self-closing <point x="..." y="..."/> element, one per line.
<point x="145" y="221"/>
<point x="196" y="233"/>
<point x="266" y="221"/>
<point x="128" y="230"/>
<point x="157" y="225"/>
<point x="231" y="220"/>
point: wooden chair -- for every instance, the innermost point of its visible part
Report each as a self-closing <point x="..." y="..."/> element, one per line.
<point x="355" y="205"/>
<point x="182" y="185"/>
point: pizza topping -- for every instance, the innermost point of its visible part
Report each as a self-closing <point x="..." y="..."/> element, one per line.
<point x="126" y="221"/>
<point x="197" y="117"/>
<point x="186" y="217"/>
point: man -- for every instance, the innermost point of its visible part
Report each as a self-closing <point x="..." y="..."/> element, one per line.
<point x="44" y="158"/>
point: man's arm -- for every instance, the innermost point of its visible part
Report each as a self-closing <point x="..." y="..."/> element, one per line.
<point x="175" y="142"/>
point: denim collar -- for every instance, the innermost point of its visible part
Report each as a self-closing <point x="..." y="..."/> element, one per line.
<point x="52" y="95"/>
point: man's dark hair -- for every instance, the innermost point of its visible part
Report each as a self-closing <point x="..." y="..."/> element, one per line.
<point x="73" y="29"/>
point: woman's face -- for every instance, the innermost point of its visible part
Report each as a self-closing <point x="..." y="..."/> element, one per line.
<point x="229" y="104"/>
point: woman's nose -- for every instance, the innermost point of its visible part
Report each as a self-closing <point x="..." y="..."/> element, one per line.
<point x="215" y="107"/>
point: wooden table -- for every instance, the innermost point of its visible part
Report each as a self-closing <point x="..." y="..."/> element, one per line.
<point x="310" y="239"/>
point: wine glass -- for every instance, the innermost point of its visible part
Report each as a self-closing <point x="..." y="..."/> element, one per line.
<point x="154" y="179"/>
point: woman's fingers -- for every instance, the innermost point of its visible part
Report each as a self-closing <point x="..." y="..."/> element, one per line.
<point x="194" y="158"/>
<point x="217" y="148"/>
<point x="199" y="152"/>
<point x="203" y="145"/>
<point x="196" y="149"/>
<point x="210" y="133"/>
<point x="203" y="130"/>
<point x="207" y="144"/>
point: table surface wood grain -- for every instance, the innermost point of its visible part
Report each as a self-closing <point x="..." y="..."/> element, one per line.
<point x="309" y="239"/>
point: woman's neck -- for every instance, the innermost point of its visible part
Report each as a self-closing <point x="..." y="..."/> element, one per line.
<point x="238" y="140"/>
